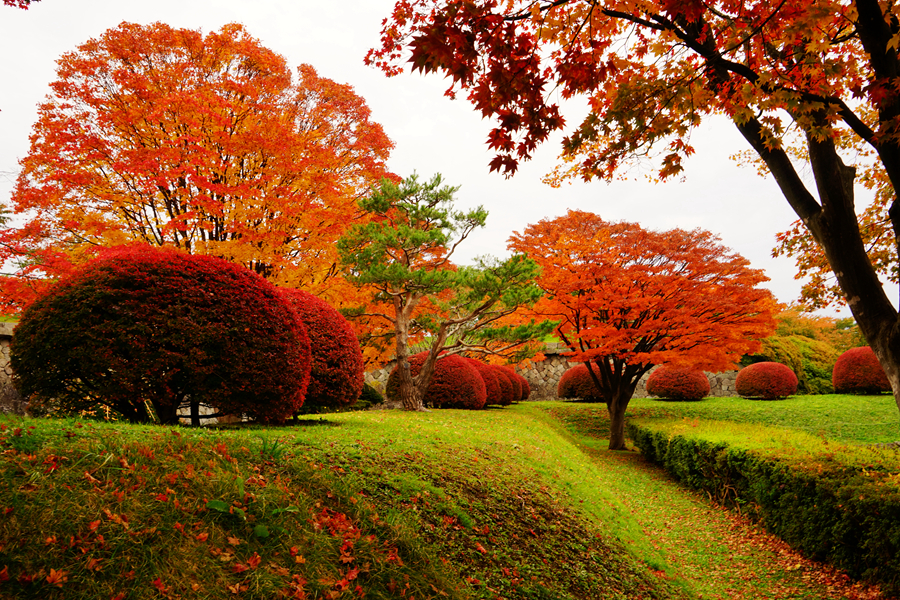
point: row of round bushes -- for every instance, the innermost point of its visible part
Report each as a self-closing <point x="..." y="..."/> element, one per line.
<point x="463" y="382"/>
<point x="856" y="371"/>
<point x="145" y="331"/>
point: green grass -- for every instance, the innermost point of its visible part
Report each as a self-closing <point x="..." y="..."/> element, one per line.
<point x="447" y="504"/>
<point x="516" y="503"/>
<point x="856" y="419"/>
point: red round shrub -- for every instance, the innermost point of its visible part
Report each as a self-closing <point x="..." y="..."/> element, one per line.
<point x="454" y="384"/>
<point x="526" y="388"/>
<point x="491" y="384"/>
<point x="507" y="392"/>
<point x="678" y="383"/>
<point x="336" y="376"/>
<point x="766" y="380"/>
<point x="140" y="324"/>
<point x="514" y="380"/>
<point x="577" y="383"/>
<point x="857" y="371"/>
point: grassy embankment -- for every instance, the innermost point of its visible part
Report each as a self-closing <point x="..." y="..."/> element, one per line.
<point x="501" y="503"/>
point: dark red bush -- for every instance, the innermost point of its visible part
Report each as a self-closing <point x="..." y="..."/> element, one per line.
<point x="857" y="371"/>
<point x="143" y="324"/>
<point x="766" y="380"/>
<point x="336" y="376"/>
<point x="454" y="384"/>
<point x="676" y="383"/>
<point x="491" y="385"/>
<point x="576" y="383"/>
<point x="515" y="380"/>
<point x="507" y="392"/>
<point x="526" y="388"/>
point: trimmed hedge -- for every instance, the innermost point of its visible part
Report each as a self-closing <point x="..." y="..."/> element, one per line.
<point x="845" y="515"/>
<point x="576" y="383"/>
<point x="676" y="383"/>
<point x="492" y="387"/>
<point x="336" y="375"/>
<point x="454" y="384"/>
<point x="515" y="380"/>
<point x="507" y="392"/>
<point x="145" y="325"/>
<point x="526" y="388"/>
<point x="766" y="380"/>
<point x="857" y="371"/>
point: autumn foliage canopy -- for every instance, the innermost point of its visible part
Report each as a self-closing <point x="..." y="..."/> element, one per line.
<point x="142" y="325"/>
<point x="207" y="143"/>
<point x="810" y="85"/>
<point x="629" y="298"/>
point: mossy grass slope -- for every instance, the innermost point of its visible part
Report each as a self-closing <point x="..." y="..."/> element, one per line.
<point x="450" y="504"/>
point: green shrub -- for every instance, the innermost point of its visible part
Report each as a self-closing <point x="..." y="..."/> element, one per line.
<point x="857" y="371"/>
<point x="766" y="380"/>
<point x="675" y="383"/>
<point x="844" y="514"/>
<point x="142" y="326"/>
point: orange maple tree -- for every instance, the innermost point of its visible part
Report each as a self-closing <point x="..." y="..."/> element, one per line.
<point x="818" y="76"/>
<point x="207" y="143"/>
<point x="628" y="298"/>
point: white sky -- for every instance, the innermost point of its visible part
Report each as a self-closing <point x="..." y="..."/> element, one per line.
<point x="432" y="133"/>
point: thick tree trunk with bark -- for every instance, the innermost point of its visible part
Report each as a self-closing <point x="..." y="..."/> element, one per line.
<point x="617" y="409"/>
<point x="833" y="223"/>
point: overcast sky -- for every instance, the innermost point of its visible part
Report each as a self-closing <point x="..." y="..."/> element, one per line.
<point x="432" y="134"/>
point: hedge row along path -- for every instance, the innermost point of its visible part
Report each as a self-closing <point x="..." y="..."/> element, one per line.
<point x="720" y="553"/>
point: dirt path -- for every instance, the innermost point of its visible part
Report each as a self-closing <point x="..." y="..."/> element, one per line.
<point x="721" y="554"/>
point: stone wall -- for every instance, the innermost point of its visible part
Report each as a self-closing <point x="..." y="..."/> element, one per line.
<point x="10" y="400"/>
<point x="543" y="376"/>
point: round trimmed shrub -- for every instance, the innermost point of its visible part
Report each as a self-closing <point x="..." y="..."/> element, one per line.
<point x="336" y="375"/>
<point x="766" y="380"/>
<point x="576" y="383"/>
<point x="454" y="384"/>
<point x="491" y="385"/>
<point x="526" y="388"/>
<point x="857" y="371"/>
<point x="676" y="383"/>
<point x="141" y="325"/>
<point x="507" y="392"/>
<point x="514" y="380"/>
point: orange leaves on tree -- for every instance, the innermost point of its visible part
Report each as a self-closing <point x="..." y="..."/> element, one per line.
<point x="811" y="86"/>
<point x="629" y="299"/>
<point x="207" y="143"/>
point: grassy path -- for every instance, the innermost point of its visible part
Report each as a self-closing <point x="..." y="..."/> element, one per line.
<point x="720" y="554"/>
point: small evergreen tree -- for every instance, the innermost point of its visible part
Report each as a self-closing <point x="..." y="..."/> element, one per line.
<point x="404" y="253"/>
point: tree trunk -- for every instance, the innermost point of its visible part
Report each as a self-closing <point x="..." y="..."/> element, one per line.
<point x="195" y="413"/>
<point x="833" y="223"/>
<point x="616" y="408"/>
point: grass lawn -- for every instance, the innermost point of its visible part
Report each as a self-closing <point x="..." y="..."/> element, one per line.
<point x="522" y="502"/>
